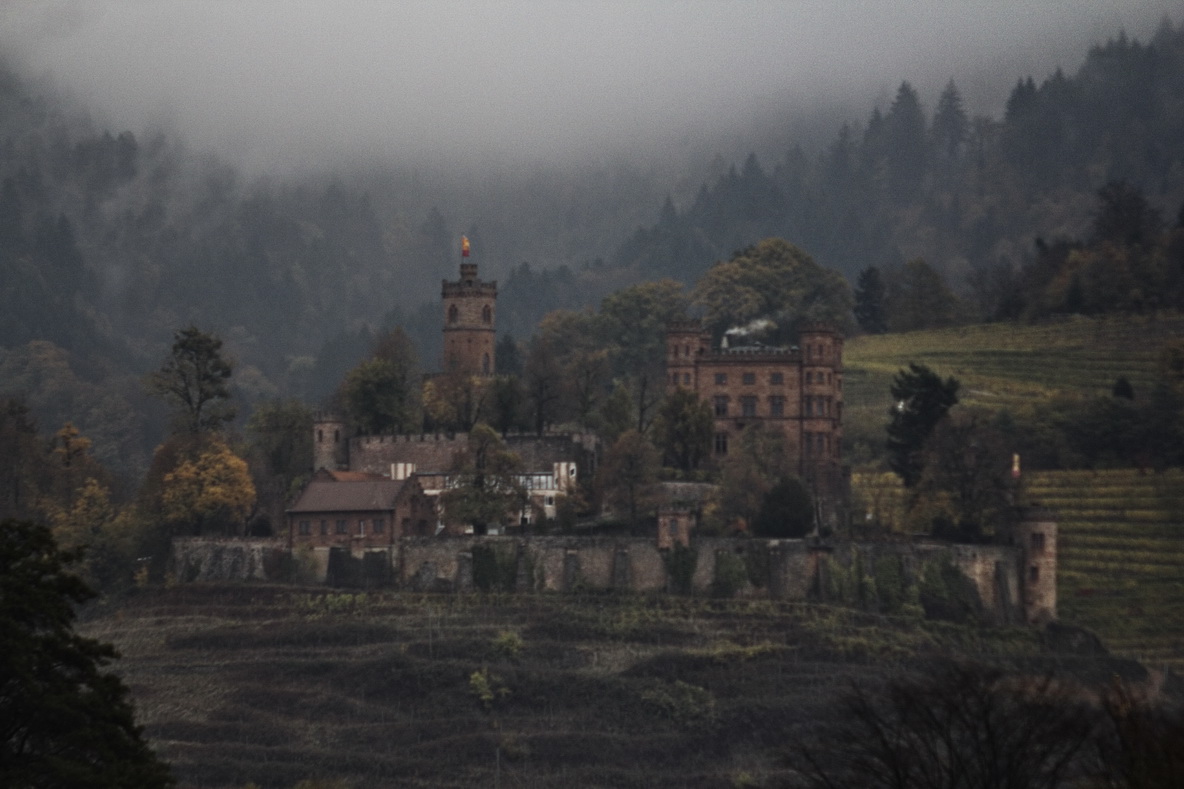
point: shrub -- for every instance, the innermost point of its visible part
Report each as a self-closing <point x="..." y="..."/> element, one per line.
<point x="757" y="564"/>
<point x="681" y="562"/>
<point x="681" y="701"/>
<point x="493" y="569"/>
<point x="508" y="644"/>
<point x="488" y="688"/>
<point x="730" y="574"/>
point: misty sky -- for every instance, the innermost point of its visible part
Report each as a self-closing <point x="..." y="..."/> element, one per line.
<point x="285" y="84"/>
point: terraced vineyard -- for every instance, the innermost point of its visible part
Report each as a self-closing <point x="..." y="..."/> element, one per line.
<point x="1120" y="552"/>
<point x="277" y="685"/>
<point x="1007" y="364"/>
<point x="1121" y="557"/>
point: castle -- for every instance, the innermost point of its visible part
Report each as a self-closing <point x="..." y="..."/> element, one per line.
<point x="355" y="486"/>
<point x="371" y="510"/>
<point x="796" y="391"/>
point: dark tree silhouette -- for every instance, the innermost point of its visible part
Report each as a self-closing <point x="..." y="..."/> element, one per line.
<point x="952" y="726"/>
<point x="195" y="380"/>
<point x="922" y="400"/>
<point x="870" y="311"/>
<point x="63" y="720"/>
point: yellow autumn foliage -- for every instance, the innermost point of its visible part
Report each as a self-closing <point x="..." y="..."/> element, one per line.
<point x="211" y="491"/>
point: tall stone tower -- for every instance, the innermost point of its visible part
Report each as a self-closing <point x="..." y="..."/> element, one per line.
<point x="469" y="333"/>
<point x="330" y="445"/>
<point x="686" y="344"/>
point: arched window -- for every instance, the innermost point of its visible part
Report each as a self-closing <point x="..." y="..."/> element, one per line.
<point x="487" y="314"/>
<point x="485" y="362"/>
<point x="320" y="436"/>
<point x="453" y="314"/>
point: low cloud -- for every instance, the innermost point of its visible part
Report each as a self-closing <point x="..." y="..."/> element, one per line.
<point x="288" y="85"/>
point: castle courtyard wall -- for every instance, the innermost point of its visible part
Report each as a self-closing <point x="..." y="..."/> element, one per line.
<point x="793" y="569"/>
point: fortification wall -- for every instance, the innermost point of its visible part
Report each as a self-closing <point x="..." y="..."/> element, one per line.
<point x="778" y="569"/>
<point x="993" y="570"/>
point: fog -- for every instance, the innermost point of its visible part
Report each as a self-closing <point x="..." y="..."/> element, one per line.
<point x="288" y="85"/>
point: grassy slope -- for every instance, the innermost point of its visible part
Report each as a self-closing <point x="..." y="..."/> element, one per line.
<point x="279" y="684"/>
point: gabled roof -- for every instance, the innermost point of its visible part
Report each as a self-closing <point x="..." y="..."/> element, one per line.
<point x="369" y="495"/>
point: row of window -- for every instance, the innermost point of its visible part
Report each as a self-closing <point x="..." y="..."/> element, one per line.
<point x="341" y="526"/>
<point x="818" y="445"/>
<point x="815" y="352"/>
<point x="815" y="405"/>
<point x="820" y="377"/>
<point x="811" y="406"/>
<point x="486" y="314"/>
<point x="748" y="405"/>
<point x="749" y="379"/>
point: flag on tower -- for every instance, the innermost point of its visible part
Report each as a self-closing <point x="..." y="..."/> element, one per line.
<point x="464" y="246"/>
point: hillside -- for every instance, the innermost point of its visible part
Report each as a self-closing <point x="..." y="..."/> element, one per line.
<point x="279" y="684"/>
<point x="1007" y="365"/>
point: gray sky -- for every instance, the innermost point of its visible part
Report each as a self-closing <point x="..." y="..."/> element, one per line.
<point x="276" y="84"/>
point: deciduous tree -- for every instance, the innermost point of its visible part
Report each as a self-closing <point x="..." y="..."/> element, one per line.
<point x="628" y="475"/>
<point x="773" y="280"/>
<point x="211" y="491"/>
<point x="484" y="487"/>
<point x="683" y="429"/>
<point x="951" y="726"/>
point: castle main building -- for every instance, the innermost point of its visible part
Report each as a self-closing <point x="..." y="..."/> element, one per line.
<point x="797" y="391"/>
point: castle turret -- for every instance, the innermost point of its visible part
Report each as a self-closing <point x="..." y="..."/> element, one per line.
<point x="685" y="343"/>
<point x="821" y="406"/>
<point x="469" y="333"/>
<point x="330" y="446"/>
<point x="1036" y="537"/>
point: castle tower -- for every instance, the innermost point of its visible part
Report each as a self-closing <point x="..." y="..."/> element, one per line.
<point x="1036" y="537"/>
<point x="686" y="342"/>
<point x="821" y="408"/>
<point x="330" y="445"/>
<point x="469" y="313"/>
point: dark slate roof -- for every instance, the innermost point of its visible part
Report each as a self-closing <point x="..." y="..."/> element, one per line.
<point x="354" y="496"/>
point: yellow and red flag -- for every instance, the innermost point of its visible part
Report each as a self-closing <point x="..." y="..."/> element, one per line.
<point x="464" y="246"/>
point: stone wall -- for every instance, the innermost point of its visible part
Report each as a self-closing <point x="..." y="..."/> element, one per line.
<point x="777" y="569"/>
<point x="223" y="559"/>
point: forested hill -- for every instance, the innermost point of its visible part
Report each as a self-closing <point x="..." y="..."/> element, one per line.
<point x="967" y="194"/>
<point x="110" y="239"/>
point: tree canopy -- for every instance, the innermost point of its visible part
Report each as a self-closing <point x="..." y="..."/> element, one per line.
<point x="773" y="280"/>
<point x="484" y="485"/>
